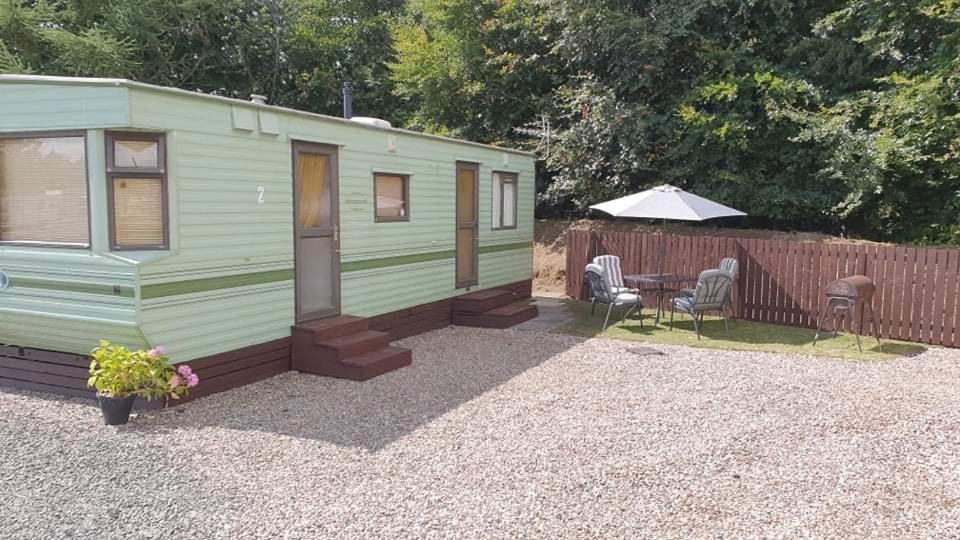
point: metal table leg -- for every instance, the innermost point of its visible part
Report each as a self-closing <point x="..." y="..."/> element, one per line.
<point x="659" y="304"/>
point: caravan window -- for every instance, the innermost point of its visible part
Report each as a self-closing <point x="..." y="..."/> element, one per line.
<point x="504" y="200"/>
<point x="136" y="185"/>
<point x="391" y="193"/>
<point x="43" y="190"/>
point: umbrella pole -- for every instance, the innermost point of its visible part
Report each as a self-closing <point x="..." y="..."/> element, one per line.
<point x="660" y="284"/>
<point x="660" y="248"/>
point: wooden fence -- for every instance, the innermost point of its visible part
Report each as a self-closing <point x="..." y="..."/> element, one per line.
<point x="782" y="281"/>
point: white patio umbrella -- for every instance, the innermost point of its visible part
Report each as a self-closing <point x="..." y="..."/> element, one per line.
<point x="666" y="202"/>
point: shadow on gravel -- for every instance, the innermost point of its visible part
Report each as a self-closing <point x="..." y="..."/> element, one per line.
<point x="450" y="367"/>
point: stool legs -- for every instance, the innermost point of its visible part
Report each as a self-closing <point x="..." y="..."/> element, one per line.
<point x="822" y="319"/>
<point x="834" y="305"/>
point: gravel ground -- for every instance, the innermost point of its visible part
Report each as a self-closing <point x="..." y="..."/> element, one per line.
<point x="509" y="433"/>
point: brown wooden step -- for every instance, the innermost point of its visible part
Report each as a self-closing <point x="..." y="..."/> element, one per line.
<point x="374" y="363"/>
<point x="344" y="347"/>
<point x="481" y="301"/>
<point x="363" y="367"/>
<point x="333" y="327"/>
<point x="500" y="317"/>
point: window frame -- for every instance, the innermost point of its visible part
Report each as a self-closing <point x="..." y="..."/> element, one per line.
<point x="159" y="174"/>
<point x="82" y="134"/>
<point x="406" y="198"/>
<point x="498" y="181"/>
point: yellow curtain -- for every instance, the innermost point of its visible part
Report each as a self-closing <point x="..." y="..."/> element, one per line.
<point x="312" y="173"/>
<point x="465" y="195"/>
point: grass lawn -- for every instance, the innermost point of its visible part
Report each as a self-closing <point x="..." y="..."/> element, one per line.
<point x="743" y="335"/>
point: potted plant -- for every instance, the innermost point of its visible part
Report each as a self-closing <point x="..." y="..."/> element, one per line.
<point x="120" y="375"/>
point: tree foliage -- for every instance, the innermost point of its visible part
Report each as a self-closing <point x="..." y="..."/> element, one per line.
<point x="296" y="52"/>
<point x="475" y="68"/>
<point x="830" y="115"/>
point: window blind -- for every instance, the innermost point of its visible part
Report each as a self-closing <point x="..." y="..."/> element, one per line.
<point x="43" y="191"/>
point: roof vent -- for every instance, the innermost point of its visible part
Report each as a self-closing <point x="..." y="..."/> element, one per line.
<point x="258" y="99"/>
<point x="376" y="122"/>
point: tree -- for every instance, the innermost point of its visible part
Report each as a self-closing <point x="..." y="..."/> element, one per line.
<point x="332" y="42"/>
<point x="476" y="69"/>
<point x="897" y="141"/>
<point x="296" y="52"/>
<point x="830" y="115"/>
<point x="41" y="37"/>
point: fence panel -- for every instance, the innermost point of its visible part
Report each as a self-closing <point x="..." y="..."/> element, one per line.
<point x="910" y="324"/>
<point x="936" y="304"/>
<point x="947" y="307"/>
<point x="886" y="263"/>
<point x="782" y="281"/>
<point x="929" y="334"/>
<point x="766" y="292"/>
<point x="751" y="273"/>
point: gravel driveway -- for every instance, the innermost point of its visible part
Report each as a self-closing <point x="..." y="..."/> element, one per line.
<point x="509" y="433"/>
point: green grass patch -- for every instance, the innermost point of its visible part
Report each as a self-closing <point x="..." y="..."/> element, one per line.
<point x="743" y="335"/>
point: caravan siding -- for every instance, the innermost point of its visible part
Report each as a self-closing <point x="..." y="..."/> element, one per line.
<point x="411" y="263"/>
<point x="224" y="233"/>
<point x="66" y="301"/>
<point x="44" y="107"/>
<point x="228" y="283"/>
<point x="61" y="298"/>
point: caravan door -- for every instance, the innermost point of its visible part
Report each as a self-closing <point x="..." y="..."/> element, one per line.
<point x="316" y="230"/>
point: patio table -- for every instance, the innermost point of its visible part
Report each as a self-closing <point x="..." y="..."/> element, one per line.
<point x="663" y="283"/>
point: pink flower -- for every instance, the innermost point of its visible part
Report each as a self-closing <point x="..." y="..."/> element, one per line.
<point x="160" y="350"/>
<point x="176" y="381"/>
<point x="184" y="371"/>
<point x="192" y="380"/>
<point x="152" y="353"/>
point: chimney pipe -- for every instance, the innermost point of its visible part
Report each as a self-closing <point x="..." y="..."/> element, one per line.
<point x="258" y="99"/>
<point x="347" y="100"/>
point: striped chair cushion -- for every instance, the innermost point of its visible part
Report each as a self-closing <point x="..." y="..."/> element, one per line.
<point x="684" y="303"/>
<point x="729" y="265"/>
<point x="611" y="270"/>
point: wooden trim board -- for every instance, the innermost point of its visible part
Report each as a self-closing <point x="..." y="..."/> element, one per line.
<point x="426" y="317"/>
<point x="66" y="374"/>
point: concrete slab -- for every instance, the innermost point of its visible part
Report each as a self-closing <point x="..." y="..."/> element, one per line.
<point x="553" y="314"/>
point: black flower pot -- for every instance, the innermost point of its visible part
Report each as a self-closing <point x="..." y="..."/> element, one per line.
<point x="116" y="410"/>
